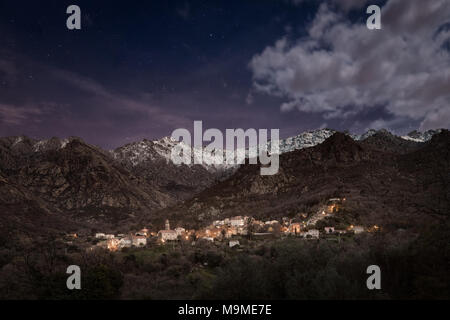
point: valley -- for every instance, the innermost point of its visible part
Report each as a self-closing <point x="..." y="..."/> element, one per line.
<point x="338" y="204"/>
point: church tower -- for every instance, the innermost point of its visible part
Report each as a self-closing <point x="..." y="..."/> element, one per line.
<point x="167" y="224"/>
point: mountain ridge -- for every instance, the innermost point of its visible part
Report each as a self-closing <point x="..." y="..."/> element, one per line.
<point x="381" y="187"/>
<point x="80" y="182"/>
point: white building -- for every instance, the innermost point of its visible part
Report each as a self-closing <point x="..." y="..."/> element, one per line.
<point x="109" y="236"/>
<point x="358" y="229"/>
<point x="218" y="223"/>
<point x="237" y="221"/>
<point x="165" y="235"/>
<point x="313" y="233"/>
<point x="233" y="243"/>
<point x="139" y="241"/>
<point x="180" y="231"/>
<point x="125" y="243"/>
<point x="100" y="236"/>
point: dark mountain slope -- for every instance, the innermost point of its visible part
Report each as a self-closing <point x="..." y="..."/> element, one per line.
<point x="384" y="181"/>
<point x="82" y="180"/>
<point x="383" y="140"/>
<point x="428" y="170"/>
<point x="148" y="159"/>
<point x="380" y="187"/>
<point x="19" y="210"/>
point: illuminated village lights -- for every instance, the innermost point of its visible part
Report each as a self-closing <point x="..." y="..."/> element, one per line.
<point x="112" y="244"/>
<point x="234" y="226"/>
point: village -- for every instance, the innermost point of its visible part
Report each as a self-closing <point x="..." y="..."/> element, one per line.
<point x="229" y="230"/>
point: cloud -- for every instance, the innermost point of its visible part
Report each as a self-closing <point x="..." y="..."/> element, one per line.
<point x="438" y="119"/>
<point x="341" y="69"/>
<point x="14" y="115"/>
<point x="58" y="102"/>
<point x="115" y="102"/>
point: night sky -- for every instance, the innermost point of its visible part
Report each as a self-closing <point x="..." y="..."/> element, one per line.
<point x="140" y="69"/>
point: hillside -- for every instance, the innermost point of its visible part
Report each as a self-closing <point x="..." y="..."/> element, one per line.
<point x="392" y="189"/>
<point x="383" y="176"/>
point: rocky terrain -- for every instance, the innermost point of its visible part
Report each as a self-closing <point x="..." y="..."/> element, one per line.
<point x="151" y="161"/>
<point x="385" y="141"/>
<point x="75" y="179"/>
<point x="385" y="181"/>
<point x="61" y="183"/>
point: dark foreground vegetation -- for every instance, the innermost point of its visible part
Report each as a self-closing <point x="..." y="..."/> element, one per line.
<point x="412" y="267"/>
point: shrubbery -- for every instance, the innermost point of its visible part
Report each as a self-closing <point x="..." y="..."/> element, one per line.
<point x="412" y="267"/>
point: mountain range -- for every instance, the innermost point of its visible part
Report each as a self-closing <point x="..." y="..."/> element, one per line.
<point x="66" y="184"/>
<point x="386" y="180"/>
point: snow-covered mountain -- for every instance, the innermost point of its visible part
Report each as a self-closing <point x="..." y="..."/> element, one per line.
<point x="69" y="174"/>
<point x="365" y="135"/>
<point x="26" y="144"/>
<point x="151" y="160"/>
<point x="145" y="150"/>
<point x="160" y="150"/>
<point x="304" y="140"/>
<point x="314" y="137"/>
<point x="418" y="136"/>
